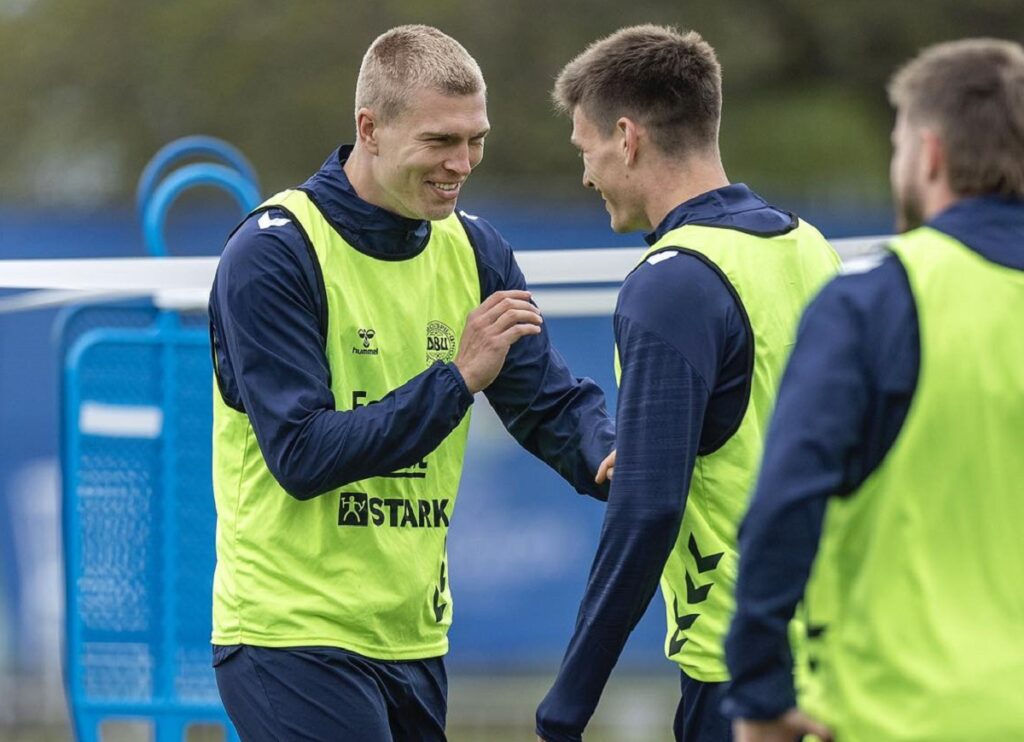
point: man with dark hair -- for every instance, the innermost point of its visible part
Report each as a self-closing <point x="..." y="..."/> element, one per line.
<point x="353" y="319"/>
<point x="702" y="328"/>
<point x="898" y="443"/>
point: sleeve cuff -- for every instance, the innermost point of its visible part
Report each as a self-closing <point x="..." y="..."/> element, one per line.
<point x="464" y="396"/>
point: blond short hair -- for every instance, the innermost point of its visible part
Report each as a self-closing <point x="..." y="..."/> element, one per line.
<point x="411" y="57"/>
<point x="972" y="91"/>
<point x="671" y="82"/>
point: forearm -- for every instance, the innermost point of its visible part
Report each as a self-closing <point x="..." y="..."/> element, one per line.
<point x="622" y="582"/>
<point x="661" y="407"/>
<point x="326" y="449"/>
<point x="560" y="419"/>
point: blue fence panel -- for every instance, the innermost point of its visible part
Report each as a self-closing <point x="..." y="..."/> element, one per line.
<point x="138" y="524"/>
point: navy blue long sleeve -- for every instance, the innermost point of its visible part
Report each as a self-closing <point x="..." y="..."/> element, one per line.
<point x="641" y="522"/>
<point x="842" y="402"/>
<point x="268" y="320"/>
<point x="682" y="343"/>
<point x="555" y="416"/>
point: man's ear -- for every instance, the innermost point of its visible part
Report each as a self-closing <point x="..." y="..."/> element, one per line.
<point x="933" y="156"/>
<point x="629" y="135"/>
<point x="367" y="130"/>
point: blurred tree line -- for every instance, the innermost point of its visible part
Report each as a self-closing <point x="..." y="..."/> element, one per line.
<point x="90" y="89"/>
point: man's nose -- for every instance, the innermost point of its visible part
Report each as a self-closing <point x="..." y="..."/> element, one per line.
<point x="459" y="161"/>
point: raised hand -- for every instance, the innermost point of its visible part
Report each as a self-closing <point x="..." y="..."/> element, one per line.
<point x="490" y="329"/>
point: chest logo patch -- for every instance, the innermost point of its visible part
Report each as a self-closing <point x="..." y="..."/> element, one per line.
<point x="366" y="335"/>
<point x="440" y="342"/>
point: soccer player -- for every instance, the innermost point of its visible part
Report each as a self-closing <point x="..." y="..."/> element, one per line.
<point x="898" y="443"/>
<point x="703" y="326"/>
<point x="353" y="318"/>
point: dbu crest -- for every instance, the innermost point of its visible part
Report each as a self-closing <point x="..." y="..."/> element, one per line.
<point x="441" y="343"/>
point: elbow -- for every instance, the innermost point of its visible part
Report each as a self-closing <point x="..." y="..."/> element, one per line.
<point x="663" y="518"/>
<point x="303" y="478"/>
<point x="654" y="509"/>
<point x="299" y="465"/>
<point x="658" y="522"/>
<point x="297" y="485"/>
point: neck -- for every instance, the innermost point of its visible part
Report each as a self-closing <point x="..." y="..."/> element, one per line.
<point x="685" y="179"/>
<point x="359" y="171"/>
<point x="936" y="200"/>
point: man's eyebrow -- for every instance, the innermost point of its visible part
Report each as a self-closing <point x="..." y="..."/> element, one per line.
<point x="449" y="136"/>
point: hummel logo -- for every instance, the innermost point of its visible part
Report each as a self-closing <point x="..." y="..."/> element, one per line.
<point x="814" y="632"/>
<point x="696" y="593"/>
<point x="683" y="623"/>
<point x="704" y="563"/>
<point x="266" y="221"/>
<point x="440" y="605"/>
<point x="366" y="335"/>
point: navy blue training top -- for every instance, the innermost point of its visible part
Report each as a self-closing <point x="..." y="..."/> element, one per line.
<point x="841" y="404"/>
<point x="268" y="323"/>
<point x="683" y="346"/>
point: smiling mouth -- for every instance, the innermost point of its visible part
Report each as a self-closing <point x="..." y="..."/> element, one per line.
<point x="446" y="187"/>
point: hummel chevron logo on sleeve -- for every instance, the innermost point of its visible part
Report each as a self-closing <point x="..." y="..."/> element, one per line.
<point x="266" y="221"/>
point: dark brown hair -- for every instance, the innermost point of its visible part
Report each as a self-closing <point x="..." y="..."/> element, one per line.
<point x="669" y="82"/>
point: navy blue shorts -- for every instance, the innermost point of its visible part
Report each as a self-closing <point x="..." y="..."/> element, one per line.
<point x="323" y="693"/>
<point x="698" y="718"/>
